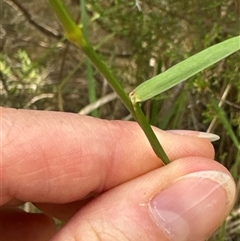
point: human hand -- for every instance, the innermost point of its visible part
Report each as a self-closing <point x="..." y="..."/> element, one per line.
<point x="103" y="179"/>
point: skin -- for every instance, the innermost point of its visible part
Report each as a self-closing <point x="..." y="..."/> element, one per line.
<point x="96" y="175"/>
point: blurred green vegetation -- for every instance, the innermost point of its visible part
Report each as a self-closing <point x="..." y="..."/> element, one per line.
<point x="138" y="39"/>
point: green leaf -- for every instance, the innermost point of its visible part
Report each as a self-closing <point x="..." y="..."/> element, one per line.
<point x="184" y="70"/>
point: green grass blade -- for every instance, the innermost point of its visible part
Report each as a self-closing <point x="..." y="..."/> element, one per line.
<point x="225" y="122"/>
<point x="184" y="70"/>
<point x="92" y="95"/>
<point x="91" y="86"/>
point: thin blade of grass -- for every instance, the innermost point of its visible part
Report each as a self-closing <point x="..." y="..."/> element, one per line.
<point x="184" y="70"/>
<point x="225" y="122"/>
<point x="92" y="95"/>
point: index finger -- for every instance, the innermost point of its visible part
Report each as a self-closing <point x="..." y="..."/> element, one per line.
<point x="61" y="157"/>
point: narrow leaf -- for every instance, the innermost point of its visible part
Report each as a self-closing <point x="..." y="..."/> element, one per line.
<point x="184" y="70"/>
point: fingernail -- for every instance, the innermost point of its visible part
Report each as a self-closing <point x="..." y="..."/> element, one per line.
<point x="193" y="206"/>
<point x="211" y="137"/>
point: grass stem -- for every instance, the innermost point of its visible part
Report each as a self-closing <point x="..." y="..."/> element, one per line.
<point x="75" y="35"/>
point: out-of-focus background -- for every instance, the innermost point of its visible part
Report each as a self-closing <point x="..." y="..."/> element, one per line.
<point x="40" y="70"/>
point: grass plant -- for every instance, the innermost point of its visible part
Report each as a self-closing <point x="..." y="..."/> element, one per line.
<point x="150" y="88"/>
<point x="169" y="34"/>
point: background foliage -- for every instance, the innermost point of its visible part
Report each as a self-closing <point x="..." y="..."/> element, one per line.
<point x="40" y="70"/>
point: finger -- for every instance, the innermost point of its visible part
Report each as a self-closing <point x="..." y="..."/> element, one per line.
<point x="63" y="211"/>
<point x="59" y="157"/>
<point x="183" y="201"/>
<point x="19" y="225"/>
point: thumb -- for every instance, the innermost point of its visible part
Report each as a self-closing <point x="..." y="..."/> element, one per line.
<point x="186" y="200"/>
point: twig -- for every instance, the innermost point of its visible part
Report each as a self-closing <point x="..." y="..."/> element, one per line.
<point x="100" y="102"/>
<point x="44" y="29"/>
<point x="37" y="98"/>
<point x="223" y="98"/>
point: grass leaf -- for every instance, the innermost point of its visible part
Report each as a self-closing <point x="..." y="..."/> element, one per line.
<point x="184" y="70"/>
